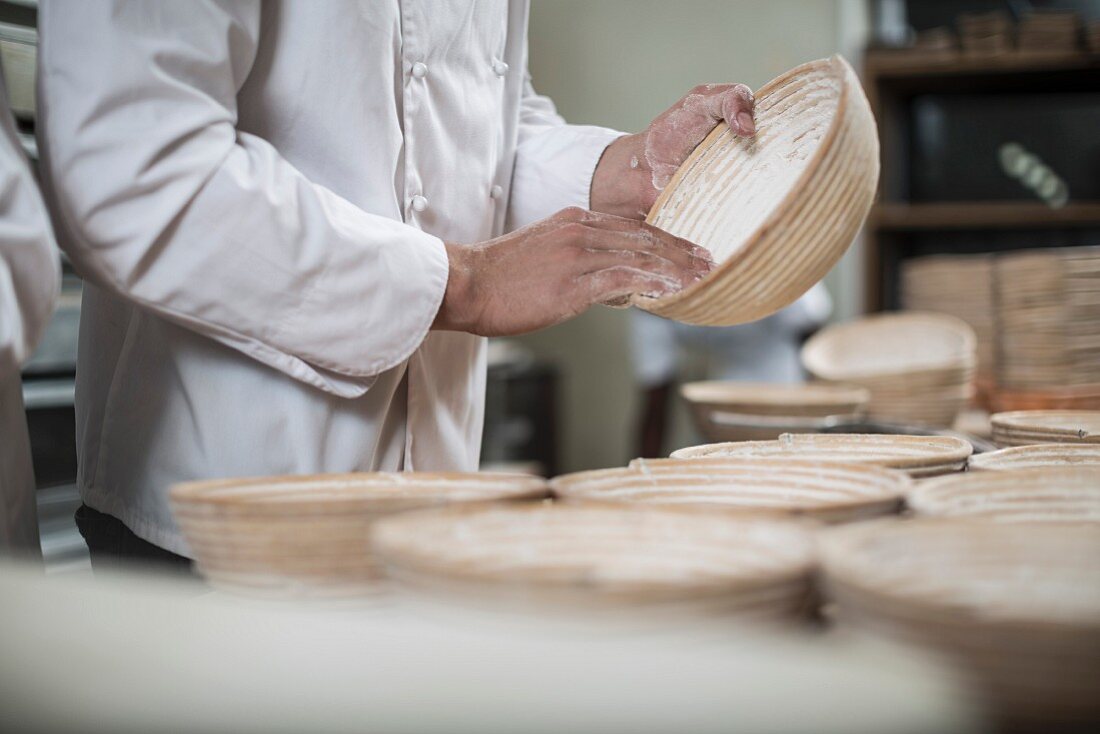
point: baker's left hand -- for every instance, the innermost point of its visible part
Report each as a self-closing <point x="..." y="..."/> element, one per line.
<point x="635" y="168"/>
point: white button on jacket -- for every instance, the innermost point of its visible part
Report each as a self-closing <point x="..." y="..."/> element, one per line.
<point x="233" y="179"/>
<point x="28" y="289"/>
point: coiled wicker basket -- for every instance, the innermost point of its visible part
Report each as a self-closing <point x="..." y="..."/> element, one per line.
<point x="555" y="557"/>
<point x="1036" y="455"/>
<point x="1043" y="494"/>
<point x="825" y="491"/>
<point x="918" y="456"/>
<point x="1015" y="607"/>
<point x="308" y="535"/>
<point x="776" y="210"/>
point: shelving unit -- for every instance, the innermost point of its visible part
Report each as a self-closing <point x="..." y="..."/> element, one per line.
<point x="896" y="217"/>
<point x="892" y="80"/>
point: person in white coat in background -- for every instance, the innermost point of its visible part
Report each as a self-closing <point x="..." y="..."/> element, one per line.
<point x="298" y="220"/>
<point x="29" y="280"/>
<point x="761" y="351"/>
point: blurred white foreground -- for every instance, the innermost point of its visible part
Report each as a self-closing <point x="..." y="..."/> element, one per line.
<point x="147" y="655"/>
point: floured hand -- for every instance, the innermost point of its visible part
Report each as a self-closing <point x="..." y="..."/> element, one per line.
<point x="556" y="268"/>
<point x="636" y="168"/>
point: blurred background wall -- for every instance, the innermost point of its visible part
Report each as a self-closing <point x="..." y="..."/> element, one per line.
<point x="619" y="63"/>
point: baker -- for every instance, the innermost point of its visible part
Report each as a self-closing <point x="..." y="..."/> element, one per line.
<point x="298" y="220"/>
<point x="29" y="278"/>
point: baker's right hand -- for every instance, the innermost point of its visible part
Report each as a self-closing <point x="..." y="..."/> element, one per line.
<point x="556" y="268"/>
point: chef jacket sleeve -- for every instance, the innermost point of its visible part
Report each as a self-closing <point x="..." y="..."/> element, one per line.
<point x="29" y="271"/>
<point x="554" y="161"/>
<point x="159" y="197"/>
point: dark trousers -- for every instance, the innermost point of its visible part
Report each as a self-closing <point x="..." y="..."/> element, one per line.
<point x="112" y="545"/>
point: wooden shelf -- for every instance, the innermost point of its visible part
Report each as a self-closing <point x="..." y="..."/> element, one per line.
<point x="909" y="64"/>
<point x="982" y="215"/>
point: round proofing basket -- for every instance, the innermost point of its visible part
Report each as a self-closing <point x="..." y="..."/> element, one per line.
<point x="904" y="349"/>
<point x="776" y="210"/>
<point x="1015" y="607"/>
<point x="1044" y="494"/>
<point x="553" y="557"/>
<point x="308" y="535"/>
<point x="918" y="456"/>
<point x="1023" y="427"/>
<point x="1036" y="455"/>
<point x="828" y="492"/>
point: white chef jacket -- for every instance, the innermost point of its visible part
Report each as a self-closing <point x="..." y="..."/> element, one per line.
<point x="29" y="279"/>
<point x="259" y="193"/>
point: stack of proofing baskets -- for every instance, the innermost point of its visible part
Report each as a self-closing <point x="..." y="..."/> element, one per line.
<point x="919" y="367"/>
<point x="960" y="286"/>
<point x="1036" y="314"/>
<point x="309" y="535"/>
<point x="1048" y="316"/>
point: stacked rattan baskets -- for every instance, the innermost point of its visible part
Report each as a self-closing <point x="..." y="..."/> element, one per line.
<point x="919" y="367"/>
<point x="1015" y="607"/>
<point x="1043" y="494"/>
<point x="749" y="411"/>
<point x="825" y="491"/>
<point x="1048" y="314"/>
<point x="593" y="557"/>
<point x="1037" y="455"/>
<point x="918" y="456"/>
<point x="308" y="535"/>
<point x="777" y="209"/>
<point x="960" y="286"/>
<point x="1024" y="427"/>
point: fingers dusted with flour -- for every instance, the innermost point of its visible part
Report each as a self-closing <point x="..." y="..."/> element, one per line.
<point x="636" y="168"/>
<point x="557" y="268"/>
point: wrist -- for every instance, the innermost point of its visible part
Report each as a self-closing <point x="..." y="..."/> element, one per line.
<point x="457" y="308"/>
<point x="621" y="183"/>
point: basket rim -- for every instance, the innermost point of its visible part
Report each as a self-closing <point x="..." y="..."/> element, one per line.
<point x="371" y="487"/>
<point x="709" y="392"/>
<point x="955" y="449"/>
<point x="1016" y="421"/>
<point x="885" y="485"/>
